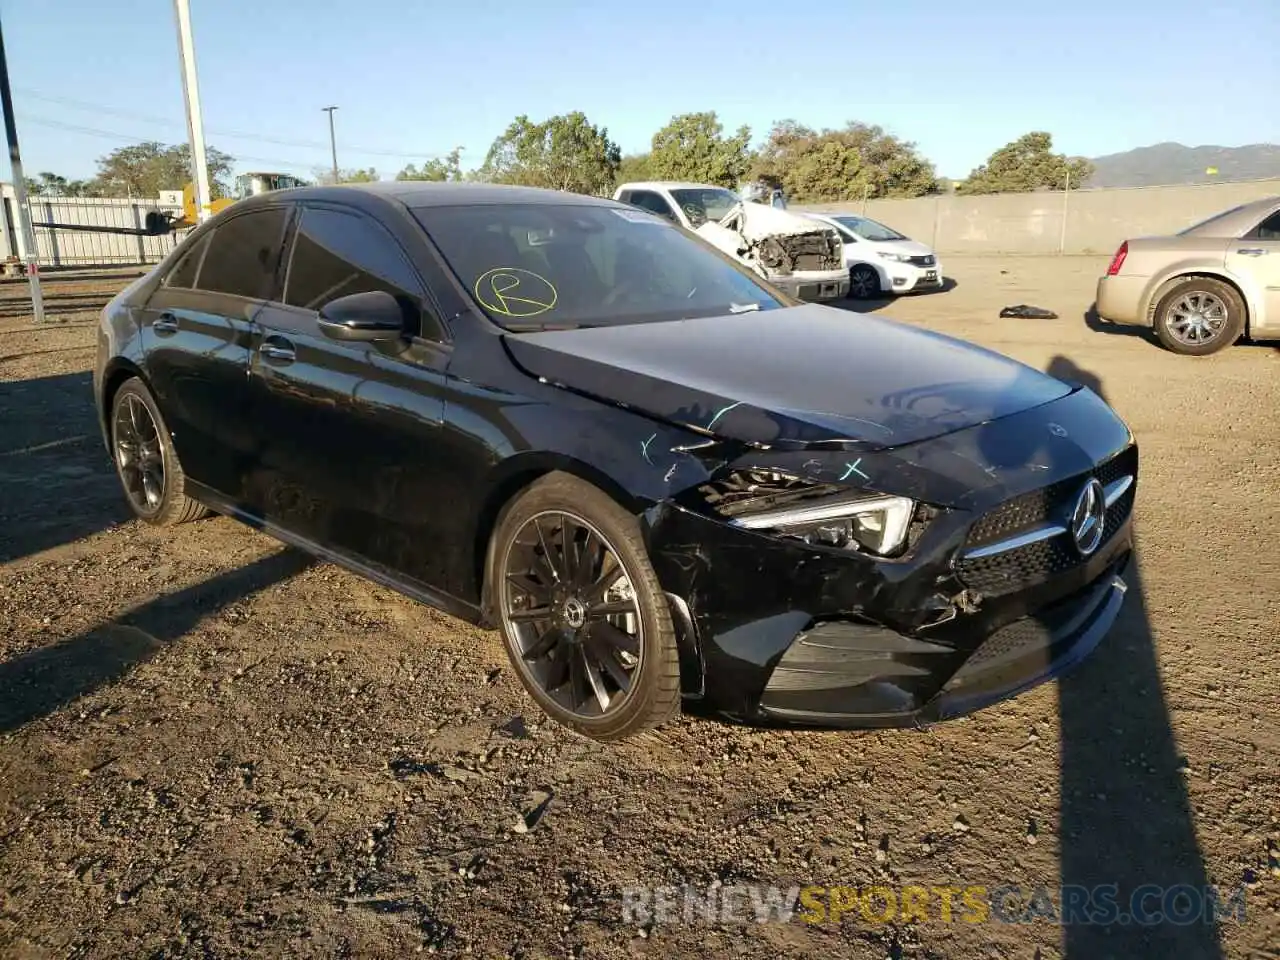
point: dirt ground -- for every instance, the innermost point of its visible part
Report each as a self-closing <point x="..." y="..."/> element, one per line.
<point x="212" y="747"/>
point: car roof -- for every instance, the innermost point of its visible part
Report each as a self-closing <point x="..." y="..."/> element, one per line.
<point x="669" y="185"/>
<point x="425" y="193"/>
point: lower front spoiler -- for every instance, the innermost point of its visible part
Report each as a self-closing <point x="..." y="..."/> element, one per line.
<point x="846" y="675"/>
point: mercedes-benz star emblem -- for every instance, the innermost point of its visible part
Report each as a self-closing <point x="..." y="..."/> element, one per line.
<point x="1057" y="430"/>
<point x="1089" y="517"/>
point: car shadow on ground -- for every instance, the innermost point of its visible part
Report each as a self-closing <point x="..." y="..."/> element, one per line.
<point x="1127" y="831"/>
<point x="36" y="683"/>
<point x="873" y="304"/>
<point x="56" y="480"/>
<point x="1095" y="323"/>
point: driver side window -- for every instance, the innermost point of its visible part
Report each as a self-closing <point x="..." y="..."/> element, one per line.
<point x="654" y="203"/>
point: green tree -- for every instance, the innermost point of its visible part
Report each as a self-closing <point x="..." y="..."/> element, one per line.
<point x="692" y="146"/>
<point x="144" y="169"/>
<point x="860" y="160"/>
<point x="565" y="152"/>
<point x="635" y="166"/>
<point x="1026" y="164"/>
<point x="439" y="169"/>
<point x="352" y="175"/>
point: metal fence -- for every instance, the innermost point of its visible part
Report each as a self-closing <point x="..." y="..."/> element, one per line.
<point x="84" y="231"/>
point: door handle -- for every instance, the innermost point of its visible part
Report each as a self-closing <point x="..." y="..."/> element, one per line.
<point x="278" y="350"/>
<point x="1252" y="252"/>
<point x="165" y="323"/>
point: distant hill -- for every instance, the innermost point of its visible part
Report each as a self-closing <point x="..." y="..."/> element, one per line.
<point x="1175" y="163"/>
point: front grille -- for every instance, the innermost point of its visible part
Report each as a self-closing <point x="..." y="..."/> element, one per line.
<point x="927" y="260"/>
<point x="1040" y="561"/>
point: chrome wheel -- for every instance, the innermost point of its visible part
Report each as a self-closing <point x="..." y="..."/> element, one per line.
<point x="139" y="454"/>
<point x="571" y="615"/>
<point x="864" y="282"/>
<point x="1196" y="318"/>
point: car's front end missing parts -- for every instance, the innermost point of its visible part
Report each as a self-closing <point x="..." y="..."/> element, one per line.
<point x="906" y="586"/>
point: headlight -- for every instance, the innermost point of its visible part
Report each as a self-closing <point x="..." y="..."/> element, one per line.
<point x="877" y="524"/>
<point x="896" y="257"/>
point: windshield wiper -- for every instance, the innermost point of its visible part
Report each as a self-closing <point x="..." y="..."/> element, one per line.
<point x="743" y="307"/>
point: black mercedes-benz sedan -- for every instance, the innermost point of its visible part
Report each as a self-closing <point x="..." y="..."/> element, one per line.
<point x="661" y="479"/>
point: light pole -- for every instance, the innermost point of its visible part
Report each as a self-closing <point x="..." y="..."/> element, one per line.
<point x="195" y="125"/>
<point x="20" y="190"/>
<point x="333" y="142"/>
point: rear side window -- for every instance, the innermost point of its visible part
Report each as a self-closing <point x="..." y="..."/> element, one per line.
<point x="654" y="203"/>
<point x="183" y="274"/>
<point x="244" y="253"/>
<point x="1269" y="229"/>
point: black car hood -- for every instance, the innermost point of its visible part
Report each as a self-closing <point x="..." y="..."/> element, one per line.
<point x="801" y="376"/>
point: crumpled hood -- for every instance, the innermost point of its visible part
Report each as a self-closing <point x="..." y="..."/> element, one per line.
<point x="759" y="221"/>
<point x="795" y="377"/>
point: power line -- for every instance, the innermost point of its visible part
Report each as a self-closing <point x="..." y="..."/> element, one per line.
<point x="128" y="138"/>
<point x="232" y="134"/>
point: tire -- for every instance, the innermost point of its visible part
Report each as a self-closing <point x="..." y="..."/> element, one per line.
<point x="864" y="282"/>
<point x="140" y="443"/>
<point x="1198" y="316"/>
<point x="570" y="652"/>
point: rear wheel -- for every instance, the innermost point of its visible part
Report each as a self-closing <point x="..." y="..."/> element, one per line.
<point x="585" y="622"/>
<point x="1199" y="316"/>
<point x="146" y="462"/>
<point x="864" y="282"/>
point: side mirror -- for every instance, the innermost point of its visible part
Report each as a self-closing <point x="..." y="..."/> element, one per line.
<point x="375" y="315"/>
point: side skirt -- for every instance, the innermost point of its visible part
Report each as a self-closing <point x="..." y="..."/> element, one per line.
<point x="445" y="602"/>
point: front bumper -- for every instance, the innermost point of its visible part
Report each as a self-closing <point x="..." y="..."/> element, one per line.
<point x="779" y="632"/>
<point x="898" y="277"/>
<point x="814" y="288"/>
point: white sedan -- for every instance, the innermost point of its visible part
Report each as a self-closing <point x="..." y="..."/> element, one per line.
<point x="880" y="259"/>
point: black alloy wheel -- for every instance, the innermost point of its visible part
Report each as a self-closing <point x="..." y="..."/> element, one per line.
<point x="148" y="467"/>
<point x="584" y="621"/>
<point x="864" y="282"/>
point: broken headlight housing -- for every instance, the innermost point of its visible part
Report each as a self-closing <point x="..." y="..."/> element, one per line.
<point x="822" y="514"/>
<point x="874" y="524"/>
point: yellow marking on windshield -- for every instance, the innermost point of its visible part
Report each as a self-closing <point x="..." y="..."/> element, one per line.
<point x="515" y="292"/>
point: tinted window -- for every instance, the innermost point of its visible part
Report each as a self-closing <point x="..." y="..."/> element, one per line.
<point x="336" y="254"/>
<point x="243" y="255"/>
<point x="653" y="202"/>
<point x="183" y="274"/>
<point x="1269" y="229"/>
<point x="529" y="265"/>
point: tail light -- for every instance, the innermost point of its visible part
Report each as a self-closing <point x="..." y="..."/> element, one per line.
<point x="1118" y="260"/>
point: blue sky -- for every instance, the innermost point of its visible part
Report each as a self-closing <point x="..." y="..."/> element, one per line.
<point x="415" y="78"/>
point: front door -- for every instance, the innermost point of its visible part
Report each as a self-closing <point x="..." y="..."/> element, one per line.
<point x="349" y="433"/>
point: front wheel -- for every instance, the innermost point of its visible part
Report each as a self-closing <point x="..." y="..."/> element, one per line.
<point x="1199" y="316"/>
<point x="585" y="623"/>
<point x="864" y="282"/>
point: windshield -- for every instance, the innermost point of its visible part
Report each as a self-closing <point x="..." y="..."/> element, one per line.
<point x="531" y="266"/>
<point x="705" y="203"/>
<point x="869" y="229"/>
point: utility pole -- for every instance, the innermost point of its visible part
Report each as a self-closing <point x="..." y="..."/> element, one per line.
<point x="20" y="190"/>
<point x="1066" y="195"/>
<point x="195" y="125"/>
<point x="333" y="142"/>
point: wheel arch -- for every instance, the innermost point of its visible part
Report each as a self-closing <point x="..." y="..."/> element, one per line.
<point x="117" y="371"/>
<point x="513" y="477"/>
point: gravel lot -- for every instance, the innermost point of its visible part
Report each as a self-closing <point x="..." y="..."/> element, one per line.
<point x="210" y="746"/>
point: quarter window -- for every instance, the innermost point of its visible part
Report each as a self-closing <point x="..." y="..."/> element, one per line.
<point x="183" y="274"/>
<point x="1269" y="229"/>
<point x="244" y="253"/>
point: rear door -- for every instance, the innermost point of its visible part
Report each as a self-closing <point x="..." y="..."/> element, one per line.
<point x="196" y="338"/>
<point x="1256" y="255"/>
<point x="350" y="433"/>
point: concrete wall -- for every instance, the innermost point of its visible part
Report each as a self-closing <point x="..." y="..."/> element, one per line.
<point x="61" y="247"/>
<point x="1096" y="220"/>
